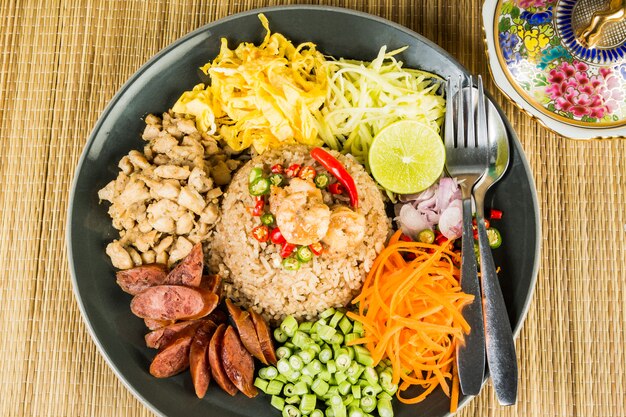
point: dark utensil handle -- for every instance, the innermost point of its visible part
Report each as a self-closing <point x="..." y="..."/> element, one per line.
<point x="498" y="335"/>
<point x="471" y="354"/>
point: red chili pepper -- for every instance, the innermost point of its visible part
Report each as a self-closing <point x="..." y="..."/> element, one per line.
<point x="277" y="237"/>
<point x="261" y="233"/>
<point x="293" y="170"/>
<point x="287" y="250"/>
<point x="495" y="214"/>
<point x="475" y="230"/>
<point x="334" y="167"/>
<point x="440" y="240"/>
<point x="336" y="188"/>
<point x="277" y="169"/>
<point x="316" y="248"/>
<point x="307" y="173"/>
<point x="405" y="238"/>
<point x="485" y="221"/>
<point x="259" y="206"/>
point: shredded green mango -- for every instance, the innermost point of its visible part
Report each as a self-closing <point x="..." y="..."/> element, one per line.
<point x="364" y="97"/>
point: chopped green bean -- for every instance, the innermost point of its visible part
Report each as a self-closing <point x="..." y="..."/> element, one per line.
<point x="347" y="399"/>
<point x="384" y="408"/>
<point x="326" y="332"/>
<point x="327" y="313"/>
<point x="345" y="325"/>
<point x="325" y="355"/>
<point x="295" y="399"/>
<point x="307" y="355"/>
<point x="268" y="372"/>
<point x="289" y="325"/>
<point x="344" y="387"/>
<point x="283" y="352"/>
<point x="356" y="391"/>
<point x="320" y="387"/>
<point x="283" y="366"/>
<point x="280" y="336"/>
<point x="261" y="384"/>
<point x="357" y="328"/>
<point x="340" y="377"/>
<point x="296" y="362"/>
<point x="317" y="413"/>
<point x="334" y="321"/>
<point x="355" y="411"/>
<point x="277" y="402"/>
<point x="307" y="379"/>
<point x="363" y="356"/>
<point x="291" y="410"/>
<point x="368" y="403"/>
<point x="371" y="376"/>
<point x="336" y="339"/>
<point x="302" y="340"/>
<point x="305" y="326"/>
<point x="274" y="387"/>
<point x="350" y="337"/>
<point x="308" y="403"/>
<point x="300" y="388"/>
<point x="331" y="366"/>
<point x="314" y="367"/>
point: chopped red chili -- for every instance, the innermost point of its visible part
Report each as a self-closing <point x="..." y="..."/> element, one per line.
<point x="336" y="188"/>
<point x="259" y="206"/>
<point x="440" y="240"/>
<point x="293" y="170"/>
<point x="316" y="248"/>
<point x="277" y="237"/>
<point x="261" y="233"/>
<point x="307" y="173"/>
<point x="486" y="221"/>
<point x="277" y="169"/>
<point x="495" y="214"/>
<point x="405" y="238"/>
<point x="339" y="171"/>
<point x="287" y="250"/>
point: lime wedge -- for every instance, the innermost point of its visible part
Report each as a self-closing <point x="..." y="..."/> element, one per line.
<point x="407" y="157"/>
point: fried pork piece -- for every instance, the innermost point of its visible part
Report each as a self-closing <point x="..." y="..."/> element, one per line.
<point x="166" y="198"/>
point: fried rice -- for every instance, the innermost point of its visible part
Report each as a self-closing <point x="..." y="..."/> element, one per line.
<point x="252" y="271"/>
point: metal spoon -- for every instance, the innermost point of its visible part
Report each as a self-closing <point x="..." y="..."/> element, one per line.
<point x="499" y="343"/>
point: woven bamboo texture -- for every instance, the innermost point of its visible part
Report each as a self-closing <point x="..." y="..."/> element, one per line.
<point x="62" y="61"/>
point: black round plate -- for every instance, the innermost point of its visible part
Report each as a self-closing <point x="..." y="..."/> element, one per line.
<point x="154" y="89"/>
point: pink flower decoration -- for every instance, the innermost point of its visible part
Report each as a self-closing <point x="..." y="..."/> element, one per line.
<point x="531" y="3"/>
<point x="574" y="91"/>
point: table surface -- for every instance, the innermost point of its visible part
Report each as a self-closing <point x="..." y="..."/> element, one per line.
<point x="62" y="61"/>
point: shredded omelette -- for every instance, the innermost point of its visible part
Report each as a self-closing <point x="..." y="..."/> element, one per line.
<point x="262" y="96"/>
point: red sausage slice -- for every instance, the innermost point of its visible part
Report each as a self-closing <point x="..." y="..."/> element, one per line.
<point x="136" y="280"/>
<point x="238" y="363"/>
<point x="212" y="283"/>
<point x="156" y="339"/>
<point x="173" y="358"/>
<point x="246" y="330"/>
<point x="156" y="324"/>
<point x="265" y="337"/>
<point x="215" y="361"/>
<point x="173" y="302"/>
<point x="198" y="361"/>
<point x="189" y="270"/>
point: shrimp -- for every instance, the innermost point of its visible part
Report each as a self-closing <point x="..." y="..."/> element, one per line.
<point x="300" y="212"/>
<point x="345" y="232"/>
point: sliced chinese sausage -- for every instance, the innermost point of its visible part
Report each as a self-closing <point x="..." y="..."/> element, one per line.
<point x="189" y="270"/>
<point x="156" y="339"/>
<point x="265" y="337"/>
<point x="217" y="316"/>
<point x="173" y="358"/>
<point x="173" y="302"/>
<point x="215" y="361"/>
<point x="156" y="324"/>
<point x="246" y="330"/>
<point x="198" y="361"/>
<point x="136" y="280"/>
<point x="238" y="363"/>
<point x="212" y="283"/>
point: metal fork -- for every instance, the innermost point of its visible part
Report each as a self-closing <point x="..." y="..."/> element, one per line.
<point x="467" y="161"/>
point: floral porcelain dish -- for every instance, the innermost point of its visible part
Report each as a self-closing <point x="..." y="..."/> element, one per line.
<point x="561" y="61"/>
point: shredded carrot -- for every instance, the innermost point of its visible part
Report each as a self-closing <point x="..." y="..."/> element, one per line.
<point x="411" y="314"/>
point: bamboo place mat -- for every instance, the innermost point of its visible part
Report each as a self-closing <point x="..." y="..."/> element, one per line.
<point x="62" y="61"/>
